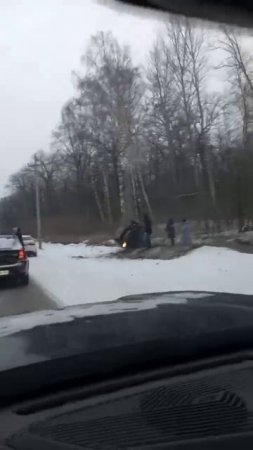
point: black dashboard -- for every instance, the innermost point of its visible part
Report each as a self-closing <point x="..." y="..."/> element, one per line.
<point x="207" y="404"/>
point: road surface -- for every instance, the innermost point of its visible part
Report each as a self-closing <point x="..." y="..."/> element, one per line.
<point x="23" y="299"/>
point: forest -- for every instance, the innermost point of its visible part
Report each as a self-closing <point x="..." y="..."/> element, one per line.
<point x="155" y="138"/>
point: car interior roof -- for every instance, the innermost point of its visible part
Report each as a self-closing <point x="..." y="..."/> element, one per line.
<point x="232" y="12"/>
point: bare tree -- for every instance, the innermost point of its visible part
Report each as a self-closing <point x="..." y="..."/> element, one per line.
<point x="207" y="107"/>
<point x="113" y="88"/>
<point x="181" y="112"/>
<point x="238" y="66"/>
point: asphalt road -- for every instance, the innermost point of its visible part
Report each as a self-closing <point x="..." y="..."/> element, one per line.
<point x="22" y="299"/>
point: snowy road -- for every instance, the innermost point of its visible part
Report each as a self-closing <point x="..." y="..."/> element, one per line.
<point x="19" y="300"/>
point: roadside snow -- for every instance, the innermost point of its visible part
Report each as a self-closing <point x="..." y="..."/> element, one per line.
<point x="73" y="281"/>
<point x="12" y="324"/>
<point x="79" y="250"/>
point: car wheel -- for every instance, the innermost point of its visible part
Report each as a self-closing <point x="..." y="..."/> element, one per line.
<point x="24" y="280"/>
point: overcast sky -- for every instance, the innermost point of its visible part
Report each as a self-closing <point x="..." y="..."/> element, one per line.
<point x="41" y="42"/>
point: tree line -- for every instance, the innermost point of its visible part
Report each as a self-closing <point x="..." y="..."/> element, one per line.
<point x="153" y="138"/>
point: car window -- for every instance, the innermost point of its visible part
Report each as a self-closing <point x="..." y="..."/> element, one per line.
<point x="127" y="152"/>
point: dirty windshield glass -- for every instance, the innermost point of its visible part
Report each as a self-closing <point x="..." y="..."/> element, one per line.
<point x="126" y="158"/>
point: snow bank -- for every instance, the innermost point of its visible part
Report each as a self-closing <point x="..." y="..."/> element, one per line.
<point x="15" y="323"/>
<point x="79" y="250"/>
<point x="73" y="281"/>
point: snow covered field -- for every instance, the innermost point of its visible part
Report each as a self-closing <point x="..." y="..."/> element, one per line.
<point x="94" y="277"/>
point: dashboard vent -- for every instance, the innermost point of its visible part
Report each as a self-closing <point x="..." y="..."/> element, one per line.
<point x="210" y="406"/>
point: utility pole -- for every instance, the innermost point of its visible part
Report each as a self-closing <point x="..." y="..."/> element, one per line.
<point x="38" y="216"/>
<point x="34" y="168"/>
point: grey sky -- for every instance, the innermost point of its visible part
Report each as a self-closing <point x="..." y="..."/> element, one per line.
<point x="41" y="42"/>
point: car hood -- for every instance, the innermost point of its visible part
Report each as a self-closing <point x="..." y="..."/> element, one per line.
<point x="135" y="331"/>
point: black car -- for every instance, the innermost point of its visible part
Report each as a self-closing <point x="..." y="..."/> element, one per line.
<point x="14" y="262"/>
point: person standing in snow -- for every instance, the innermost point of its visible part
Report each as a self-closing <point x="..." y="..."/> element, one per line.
<point x="147" y="229"/>
<point x="132" y="235"/>
<point x="186" y="234"/>
<point x="171" y="231"/>
<point x="18" y="233"/>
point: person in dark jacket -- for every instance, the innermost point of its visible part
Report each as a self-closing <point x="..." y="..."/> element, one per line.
<point x="17" y="232"/>
<point x="147" y="229"/>
<point x="171" y="231"/>
<point x="132" y="235"/>
<point x="126" y="230"/>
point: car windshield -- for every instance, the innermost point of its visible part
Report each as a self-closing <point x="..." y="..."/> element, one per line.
<point x="127" y="162"/>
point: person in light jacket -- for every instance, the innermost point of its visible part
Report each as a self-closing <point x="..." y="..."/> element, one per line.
<point x="186" y="234"/>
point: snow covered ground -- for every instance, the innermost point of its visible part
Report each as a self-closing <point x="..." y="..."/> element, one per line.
<point x="94" y="277"/>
